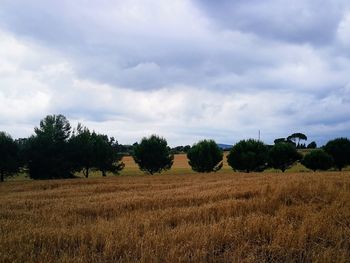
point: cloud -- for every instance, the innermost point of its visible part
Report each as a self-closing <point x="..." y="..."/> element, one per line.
<point x="187" y="70"/>
<point x="299" y="22"/>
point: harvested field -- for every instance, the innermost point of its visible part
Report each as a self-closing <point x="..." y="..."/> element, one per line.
<point x="226" y="217"/>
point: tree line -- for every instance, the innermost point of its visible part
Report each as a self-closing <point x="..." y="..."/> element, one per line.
<point x="58" y="151"/>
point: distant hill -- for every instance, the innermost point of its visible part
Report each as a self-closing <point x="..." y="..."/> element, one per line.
<point x="224" y="146"/>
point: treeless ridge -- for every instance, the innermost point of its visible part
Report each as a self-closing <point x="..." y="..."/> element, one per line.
<point x="223" y="217"/>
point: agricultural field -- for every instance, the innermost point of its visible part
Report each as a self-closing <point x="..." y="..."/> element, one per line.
<point x="178" y="217"/>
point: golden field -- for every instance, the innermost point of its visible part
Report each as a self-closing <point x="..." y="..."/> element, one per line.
<point x="218" y="217"/>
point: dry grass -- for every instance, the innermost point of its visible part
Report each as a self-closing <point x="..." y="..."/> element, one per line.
<point x="227" y="217"/>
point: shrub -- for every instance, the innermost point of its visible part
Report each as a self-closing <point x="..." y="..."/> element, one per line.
<point x="205" y="156"/>
<point x="283" y="155"/>
<point x="312" y="145"/>
<point x="153" y="155"/>
<point x="248" y="155"/>
<point x="339" y="149"/>
<point x="317" y="160"/>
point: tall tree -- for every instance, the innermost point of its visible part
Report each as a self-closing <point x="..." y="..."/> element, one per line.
<point x="48" y="149"/>
<point x="153" y="155"/>
<point x="9" y="161"/>
<point x="107" y="157"/>
<point x="297" y="137"/>
<point x="82" y="149"/>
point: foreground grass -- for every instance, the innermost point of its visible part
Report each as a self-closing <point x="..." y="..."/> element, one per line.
<point x="227" y="217"/>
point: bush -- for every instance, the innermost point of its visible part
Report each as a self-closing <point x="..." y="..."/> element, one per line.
<point x="153" y="155"/>
<point x="317" y="160"/>
<point x="248" y="155"/>
<point x="283" y="155"/>
<point x="312" y="145"/>
<point x="339" y="149"/>
<point x="205" y="156"/>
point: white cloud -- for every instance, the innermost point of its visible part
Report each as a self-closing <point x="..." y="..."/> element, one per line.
<point x="132" y="68"/>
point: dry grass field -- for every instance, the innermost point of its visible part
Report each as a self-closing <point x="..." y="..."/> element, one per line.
<point x="222" y="217"/>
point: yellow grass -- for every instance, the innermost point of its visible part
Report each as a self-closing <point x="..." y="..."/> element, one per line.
<point x="222" y="217"/>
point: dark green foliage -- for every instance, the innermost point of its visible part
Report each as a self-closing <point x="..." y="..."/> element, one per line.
<point x="317" y="160"/>
<point x="278" y="140"/>
<point x="9" y="158"/>
<point x="153" y="155"/>
<point x="248" y="155"/>
<point x="82" y="150"/>
<point x="283" y="155"/>
<point x="339" y="149"/>
<point x="297" y="136"/>
<point x="312" y="145"/>
<point x="48" y="150"/>
<point x="107" y="158"/>
<point x="91" y="150"/>
<point x="205" y="156"/>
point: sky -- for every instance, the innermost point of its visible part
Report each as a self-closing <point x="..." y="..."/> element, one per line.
<point x="186" y="70"/>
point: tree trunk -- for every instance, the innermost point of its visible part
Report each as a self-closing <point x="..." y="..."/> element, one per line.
<point x="103" y="173"/>
<point x="86" y="172"/>
<point x="2" y="176"/>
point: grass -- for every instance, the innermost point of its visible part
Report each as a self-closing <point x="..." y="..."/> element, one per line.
<point x="178" y="217"/>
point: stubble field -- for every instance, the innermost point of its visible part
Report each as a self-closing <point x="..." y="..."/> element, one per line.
<point x="187" y="217"/>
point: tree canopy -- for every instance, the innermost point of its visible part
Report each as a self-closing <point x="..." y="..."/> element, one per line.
<point x="283" y="155"/>
<point x="205" y="156"/>
<point x="317" y="160"/>
<point x="339" y="149"/>
<point x="48" y="150"/>
<point x="9" y="159"/>
<point x="248" y="155"/>
<point x="153" y="155"/>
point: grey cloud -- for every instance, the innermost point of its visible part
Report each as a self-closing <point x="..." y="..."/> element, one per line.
<point x="298" y="21"/>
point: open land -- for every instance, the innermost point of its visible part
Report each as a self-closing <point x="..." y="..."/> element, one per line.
<point x="179" y="216"/>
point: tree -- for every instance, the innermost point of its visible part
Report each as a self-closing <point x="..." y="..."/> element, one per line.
<point x="248" y="155"/>
<point x="312" y="145"/>
<point x="317" y="160"/>
<point x="339" y="149"/>
<point x="107" y="158"/>
<point x="205" y="156"/>
<point x="153" y="155"/>
<point x="48" y="150"/>
<point x="297" y="136"/>
<point x="82" y="149"/>
<point x="283" y="155"/>
<point x="9" y="161"/>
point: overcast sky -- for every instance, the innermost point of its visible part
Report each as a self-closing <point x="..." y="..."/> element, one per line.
<point x="186" y="70"/>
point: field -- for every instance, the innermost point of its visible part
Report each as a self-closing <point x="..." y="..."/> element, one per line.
<point x="178" y="217"/>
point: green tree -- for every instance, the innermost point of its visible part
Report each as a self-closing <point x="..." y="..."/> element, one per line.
<point x="283" y="155"/>
<point x="48" y="150"/>
<point x="153" y="155"/>
<point x="339" y="149"/>
<point x="317" y="160"/>
<point x="107" y="157"/>
<point x="297" y="136"/>
<point x="205" y="156"/>
<point x="248" y="155"/>
<point x="82" y="149"/>
<point x="9" y="161"/>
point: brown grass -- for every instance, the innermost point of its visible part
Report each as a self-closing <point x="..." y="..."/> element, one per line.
<point x="227" y="217"/>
